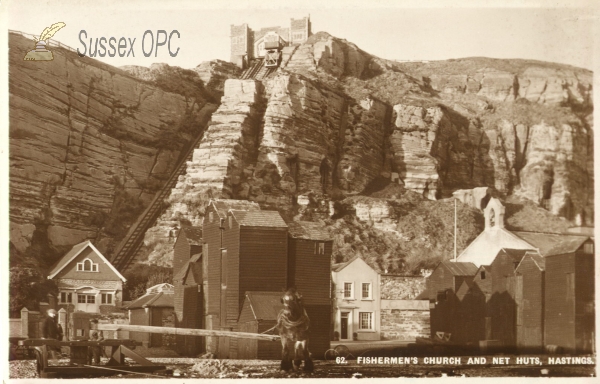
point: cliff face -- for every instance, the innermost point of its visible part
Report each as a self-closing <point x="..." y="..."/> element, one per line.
<point x="334" y="120"/>
<point x="90" y="145"/>
<point x="332" y="123"/>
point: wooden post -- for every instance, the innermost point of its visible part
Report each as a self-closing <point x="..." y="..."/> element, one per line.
<point x="25" y="322"/>
<point x="186" y="331"/>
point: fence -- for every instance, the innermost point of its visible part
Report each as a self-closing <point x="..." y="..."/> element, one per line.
<point x="55" y="43"/>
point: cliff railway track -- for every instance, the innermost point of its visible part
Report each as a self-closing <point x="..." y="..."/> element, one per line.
<point x="130" y="245"/>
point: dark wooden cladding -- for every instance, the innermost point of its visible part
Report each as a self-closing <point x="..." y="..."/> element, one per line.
<point x="530" y="330"/>
<point x="320" y="329"/>
<point x="501" y="305"/>
<point x="182" y="252"/>
<point x="309" y="271"/>
<point x="570" y="314"/>
<point x="585" y="318"/>
<point x="231" y="243"/>
<point x="211" y="237"/>
<point x="263" y="259"/>
<point x="258" y="349"/>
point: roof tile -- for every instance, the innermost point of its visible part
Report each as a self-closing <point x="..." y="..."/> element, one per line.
<point x="308" y="230"/>
<point x="259" y="219"/>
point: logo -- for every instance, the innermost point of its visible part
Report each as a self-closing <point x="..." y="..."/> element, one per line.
<point x="40" y="53"/>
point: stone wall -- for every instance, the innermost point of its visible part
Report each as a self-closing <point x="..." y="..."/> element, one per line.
<point x="401" y="287"/>
<point x="404" y="319"/>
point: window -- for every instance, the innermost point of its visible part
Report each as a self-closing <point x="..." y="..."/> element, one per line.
<point x="91" y="299"/>
<point x="365" y="320"/>
<point x="107" y="298"/>
<point x="230" y="222"/>
<point x="570" y="287"/>
<point x="79" y="332"/>
<point x="66" y="297"/>
<point x="211" y="217"/>
<point x="81" y="299"/>
<point x="87" y="266"/>
<point x="366" y="291"/>
<point x="482" y="274"/>
<point x="588" y="248"/>
<point x="319" y="248"/>
<point x="348" y="290"/>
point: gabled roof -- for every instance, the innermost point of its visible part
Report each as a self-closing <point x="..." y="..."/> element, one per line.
<point x="160" y="299"/>
<point x="180" y="276"/>
<point x="192" y="234"/>
<point x="339" y="266"/>
<point x="73" y="253"/>
<point x="537" y="259"/>
<point x="162" y="287"/>
<point x="553" y="243"/>
<point x="259" y="219"/>
<point x="486" y="246"/>
<point x="459" y="268"/>
<point x="264" y="305"/>
<point x="308" y="230"/>
<point x="515" y="254"/>
<point x="226" y="205"/>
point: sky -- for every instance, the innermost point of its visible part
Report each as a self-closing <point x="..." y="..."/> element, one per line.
<point x="397" y="30"/>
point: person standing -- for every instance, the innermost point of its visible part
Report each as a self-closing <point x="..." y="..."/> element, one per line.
<point x="50" y="331"/>
<point x="95" y="351"/>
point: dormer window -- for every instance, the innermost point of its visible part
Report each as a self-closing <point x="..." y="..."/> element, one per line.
<point x="211" y="217"/>
<point x="482" y="274"/>
<point x="87" y="266"/>
<point x="230" y="221"/>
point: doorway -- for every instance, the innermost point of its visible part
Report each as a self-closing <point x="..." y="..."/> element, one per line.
<point x="344" y="325"/>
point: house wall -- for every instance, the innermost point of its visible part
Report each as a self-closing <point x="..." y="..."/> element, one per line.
<point x="584" y="302"/>
<point x="560" y="303"/>
<point x="181" y="252"/>
<point x="530" y="330"/>
<point x="357" y="272"/>
<point x="320" y="332"/>
<point x="139" y="316"/>
<point x="404" y="319"/>
<point x="501" y="306"/>
<point x="263" y="260"/>
<point x="111" y="286"/>
<point x="211" y="237"/>
<point x="190" y="298"/>
<point x="439" y="280"/>
<point x="309" y="271"/>
<point x="239" y="41"/>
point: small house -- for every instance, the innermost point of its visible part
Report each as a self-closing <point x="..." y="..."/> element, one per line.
<point x="87" y="281"/>
<point x="259" y="315"/>
<point x="357" y="301"/>
<point x="154" y="308"/>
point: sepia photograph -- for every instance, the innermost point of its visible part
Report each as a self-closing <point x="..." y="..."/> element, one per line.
<point x="298" y="190"/>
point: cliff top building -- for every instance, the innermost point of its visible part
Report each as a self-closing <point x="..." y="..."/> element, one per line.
<point x="247" y="44"/>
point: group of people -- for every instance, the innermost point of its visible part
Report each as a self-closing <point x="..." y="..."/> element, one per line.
<point x="53" y="330"/>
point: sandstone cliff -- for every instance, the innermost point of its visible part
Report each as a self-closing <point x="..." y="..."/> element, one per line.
<point x="333" y="120"/>
<point x="90" y="145"/>
<point x="318" y="139"/>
